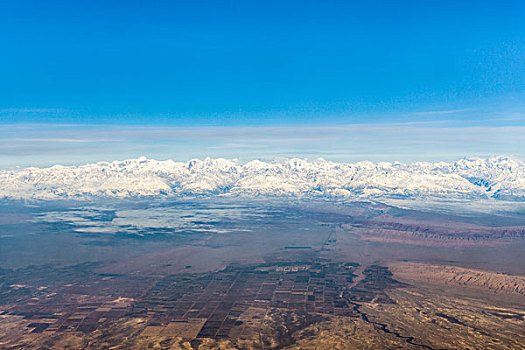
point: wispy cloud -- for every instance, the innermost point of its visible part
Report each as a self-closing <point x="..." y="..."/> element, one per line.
<point x="43" y="146"/>
<point x="444" y="112"/>
<point x="63" y="140"/>
<point x="514" y="117"/>
<point x="31" y="110"/>
<point x="235" y="146"/>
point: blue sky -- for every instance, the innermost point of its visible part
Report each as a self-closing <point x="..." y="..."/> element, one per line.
<point x="261" y="63"/>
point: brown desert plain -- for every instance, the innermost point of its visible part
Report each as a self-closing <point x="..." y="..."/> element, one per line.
<point x="233" y="274"/>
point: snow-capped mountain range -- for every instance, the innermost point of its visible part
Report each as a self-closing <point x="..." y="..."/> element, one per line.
<point x="470" y="178"/>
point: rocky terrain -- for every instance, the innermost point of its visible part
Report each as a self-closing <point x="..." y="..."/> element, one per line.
<point x="390" y="229"/>
<point x="458" y="276"/>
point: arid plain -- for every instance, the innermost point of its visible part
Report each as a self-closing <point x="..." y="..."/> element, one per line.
<point x="227" y="274"/>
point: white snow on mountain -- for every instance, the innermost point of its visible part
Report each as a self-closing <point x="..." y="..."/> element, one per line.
<point x="470" y="178"/>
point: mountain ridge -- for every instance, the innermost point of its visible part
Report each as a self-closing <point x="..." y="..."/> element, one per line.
<point x="499" y="177"/>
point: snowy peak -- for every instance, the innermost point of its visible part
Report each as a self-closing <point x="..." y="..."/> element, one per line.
<point x="469" y="178"/>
